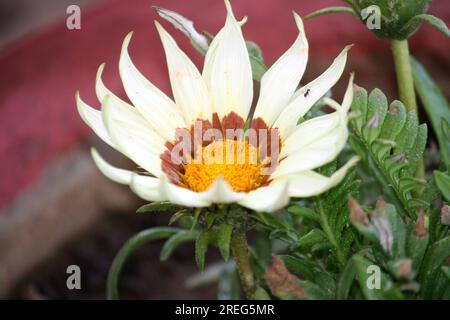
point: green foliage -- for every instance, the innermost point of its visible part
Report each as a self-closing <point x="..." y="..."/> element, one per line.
<point x="436" y="107"/>
<point x="162" y="206"/>
<point x="398" y="19"/>
<point x="391" y="142"/>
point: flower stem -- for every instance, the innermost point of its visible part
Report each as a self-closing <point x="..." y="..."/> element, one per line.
<point x="405" y="82"/>
<point x="239" y="248"/>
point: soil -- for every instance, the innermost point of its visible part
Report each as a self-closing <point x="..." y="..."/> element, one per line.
<point x="143" y="277"/>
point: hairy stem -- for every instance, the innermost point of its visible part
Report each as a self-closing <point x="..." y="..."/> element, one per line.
<point x="239" y="248"/>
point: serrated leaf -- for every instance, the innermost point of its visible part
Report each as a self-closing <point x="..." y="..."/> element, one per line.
<point x="395" y="154"/>
<point x="201" y="246"/>
<point x="176" y="240"/>
<point x="442" y="181"/>
<point x="330" y="10"/>
<point x="223" y="240"/>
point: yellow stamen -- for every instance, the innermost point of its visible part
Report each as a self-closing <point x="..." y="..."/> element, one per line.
<point x="236" y="161"/>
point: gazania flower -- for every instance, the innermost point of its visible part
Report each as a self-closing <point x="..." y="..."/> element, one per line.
<point x="191" y="170"/>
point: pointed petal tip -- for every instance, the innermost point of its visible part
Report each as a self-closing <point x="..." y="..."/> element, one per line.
<point x="298" y="20"/>
<point x="126" y="40"/>
<point x="100" y="69"/>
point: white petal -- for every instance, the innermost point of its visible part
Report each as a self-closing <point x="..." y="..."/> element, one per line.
<point x="188" y="86"/>
<point x="115" y="174"/>
<point x="147" y="188"/>
<point x="159" y="110"/>
<point x="314" y="129"/>
<point x="308" y="132"/>
<point x="315" y="154"/>
<point x="310" y="183"/>
<point x="279" y="83"/>
<point x="182" y="196"/>
<point x="309" y="94"/>
<point x="221" y="192"/>
<point x="268" y="198"/>
<point x="227" y="71"/>
<point x="93" y="118"/>
<point x="132" y="138"/>
<point x="348" y="96"/>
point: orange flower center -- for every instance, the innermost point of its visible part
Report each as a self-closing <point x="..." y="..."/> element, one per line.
<point x="236" y="161"/>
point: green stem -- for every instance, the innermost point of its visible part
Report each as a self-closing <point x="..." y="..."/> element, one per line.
<point x="239" y="248"/>
<point x="405" y="82"/>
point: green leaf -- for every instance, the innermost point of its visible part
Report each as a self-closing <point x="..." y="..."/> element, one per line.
<point x="446" y="271"/>
<point x="365" y="276"/>
<point x="345" y="281"/>
<point x="302" y="268"/>
<point x="442" y="181"/>
<point x="398" y="229"/>
<point x="201" y="246"/>
<point x="417" y="243"/>
<point x="303" y="212"/>
<point x="173" y="242"/>
<point x="411" y="25"/>
<point x="162" y="206"/>
<point x="436" y="107"/>
<point x="377" y="108"/>
<point x="330" y="10"/>
<point x="254" y="50"/>
<point x="393" y="152"/>
<point x="127" y="249"/>
<point x="258" y="68"/>
<point x="261" y="294"/>
<point x="435" y="256"/>
<point x="178" y="215"/>
<point x="223" y="240"/>
<point x="313" y="237"/>
<point x="268" y="220"/>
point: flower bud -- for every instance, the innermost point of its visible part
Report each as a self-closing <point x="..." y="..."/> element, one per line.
<point x="393" y="16"/>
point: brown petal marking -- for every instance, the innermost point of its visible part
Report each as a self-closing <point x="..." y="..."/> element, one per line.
<point x="230" y="121"/>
